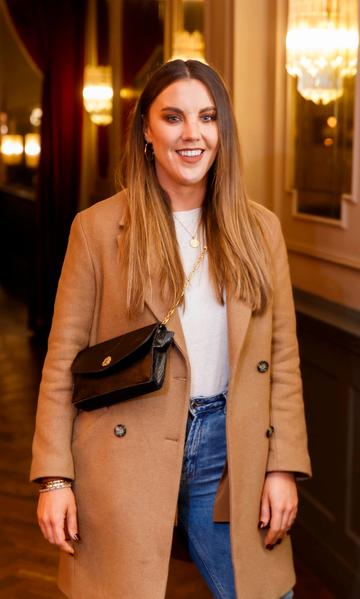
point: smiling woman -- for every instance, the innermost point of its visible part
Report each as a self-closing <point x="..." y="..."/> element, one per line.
<point x="223" y="440"/>
<point x="170" y="181"/>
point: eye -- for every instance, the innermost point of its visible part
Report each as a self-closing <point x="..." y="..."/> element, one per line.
<point x="172" y="118"/>
<point x="206" y="118"/>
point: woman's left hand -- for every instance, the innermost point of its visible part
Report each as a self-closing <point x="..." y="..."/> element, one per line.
<point x="279" y="505"/>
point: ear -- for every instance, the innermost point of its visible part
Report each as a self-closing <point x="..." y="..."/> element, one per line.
<point x="146" y="131"/>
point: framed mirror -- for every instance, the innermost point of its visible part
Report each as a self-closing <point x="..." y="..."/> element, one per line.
<point x="322" y="153"/>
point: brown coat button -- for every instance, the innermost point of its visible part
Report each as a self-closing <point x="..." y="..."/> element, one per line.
<point x="263" y="366"/>
<point x="270" y="431"/>
<point x="120" y="430"/>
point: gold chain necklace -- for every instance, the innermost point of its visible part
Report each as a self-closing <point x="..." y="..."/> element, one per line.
<point x="186" y="284"/>
<point x="194" y="241"/>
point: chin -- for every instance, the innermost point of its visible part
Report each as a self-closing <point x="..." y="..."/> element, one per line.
<point x="195" y="180"/>
<point x="191" y="182"/>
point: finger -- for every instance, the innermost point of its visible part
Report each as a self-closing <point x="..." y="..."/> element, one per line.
<point x="58" y="528"/>
<point x="46" y="527"/>
<point x="60" y="538"/>
<point x="63" y="543"/>
<point x="289" y="513"/>
<point x="46" y="530"/>
<point x="66" y="546"/>
<point x="265" y="514"/>
<point x="275" y="531"/>
<point x="71" y="523"/>
<point x="289" y="519"/>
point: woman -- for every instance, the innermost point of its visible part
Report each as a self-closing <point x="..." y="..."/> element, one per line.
<point x="222" y="465"/>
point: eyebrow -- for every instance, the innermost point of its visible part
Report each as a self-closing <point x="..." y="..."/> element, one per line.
<point x="179" y="111"/>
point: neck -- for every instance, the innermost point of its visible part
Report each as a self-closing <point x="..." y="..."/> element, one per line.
<point x="185" y="197"/>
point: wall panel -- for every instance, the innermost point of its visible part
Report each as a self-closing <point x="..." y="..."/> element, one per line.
<point x="327" y="532"/>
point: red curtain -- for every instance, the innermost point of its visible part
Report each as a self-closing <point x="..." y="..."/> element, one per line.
<point x="53" y="34"/>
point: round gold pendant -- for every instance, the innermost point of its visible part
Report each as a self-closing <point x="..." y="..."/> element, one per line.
<point x="194" y="242"/>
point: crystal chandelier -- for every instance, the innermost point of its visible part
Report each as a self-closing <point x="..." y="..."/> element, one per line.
<point x="188" y="45"/>
<point x="322" y="46"/>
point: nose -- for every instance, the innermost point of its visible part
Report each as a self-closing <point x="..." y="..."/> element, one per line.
<point x="191" y="130"/>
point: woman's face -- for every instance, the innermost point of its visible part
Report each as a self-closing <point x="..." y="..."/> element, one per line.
<point x="182" y="127"/>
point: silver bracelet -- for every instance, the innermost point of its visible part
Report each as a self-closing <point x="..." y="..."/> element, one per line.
<point x="52" y="485"/>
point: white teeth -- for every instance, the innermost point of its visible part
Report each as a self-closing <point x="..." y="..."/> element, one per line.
<point x="189" y="153"/>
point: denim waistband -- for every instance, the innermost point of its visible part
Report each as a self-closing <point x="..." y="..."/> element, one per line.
<point x="201" y="403"/>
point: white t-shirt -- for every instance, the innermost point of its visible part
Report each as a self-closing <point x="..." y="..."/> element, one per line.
<point x="203" y="320"/>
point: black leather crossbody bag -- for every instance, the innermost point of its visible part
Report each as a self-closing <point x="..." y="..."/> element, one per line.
<point x="126" y="366"/>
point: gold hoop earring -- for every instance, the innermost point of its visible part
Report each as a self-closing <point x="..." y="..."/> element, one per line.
<point x="149" y="151"/>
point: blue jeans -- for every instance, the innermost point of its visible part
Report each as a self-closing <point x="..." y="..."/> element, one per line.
<point x="203" y="463"/>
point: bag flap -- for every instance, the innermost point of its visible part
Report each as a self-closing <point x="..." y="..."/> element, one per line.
<point x="103" y="356"/>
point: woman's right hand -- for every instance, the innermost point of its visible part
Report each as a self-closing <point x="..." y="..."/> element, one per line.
<point x="56" y="514"/>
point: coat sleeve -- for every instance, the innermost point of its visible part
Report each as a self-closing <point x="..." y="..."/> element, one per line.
<point x="288" y="443"/>
<point x="73" y="315"/>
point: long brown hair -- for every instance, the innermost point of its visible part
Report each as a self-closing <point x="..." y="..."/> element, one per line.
<point x="238" y="255"/>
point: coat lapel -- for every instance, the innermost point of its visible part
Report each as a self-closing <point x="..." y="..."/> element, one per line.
<point x="159" y="307"/>
<point x="238" y="318"/>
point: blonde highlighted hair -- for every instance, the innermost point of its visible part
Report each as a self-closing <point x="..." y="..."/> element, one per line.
<point x="238" y="255"/>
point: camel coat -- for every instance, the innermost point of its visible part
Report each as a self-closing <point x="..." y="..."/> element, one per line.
<point x="127" y="487"/>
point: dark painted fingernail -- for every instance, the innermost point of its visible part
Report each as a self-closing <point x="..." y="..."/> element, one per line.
<point x="71" y="554"/>
<point x="278" y="542"/>
<point x="270" y="547"/>
<point x="261" y="524"/>
<point x="76" y="537"/>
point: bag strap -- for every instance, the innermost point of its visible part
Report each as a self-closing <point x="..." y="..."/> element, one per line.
<point x="186" y="285"/>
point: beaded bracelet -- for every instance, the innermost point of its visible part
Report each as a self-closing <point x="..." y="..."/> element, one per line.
<point x="52" y="485"/>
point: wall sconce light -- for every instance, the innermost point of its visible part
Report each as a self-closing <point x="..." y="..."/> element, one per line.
<point x="36" y="116"/>
<point x="129" y="93"/>
<point x="322" y="46"/>
<point x="98" y="94"/>
<point x="32" y="149"/>
<point x="4" y="129"/>
<point x="12" y="148"/>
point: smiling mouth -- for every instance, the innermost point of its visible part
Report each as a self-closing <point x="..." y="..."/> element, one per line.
<point x="190" y="153"/>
